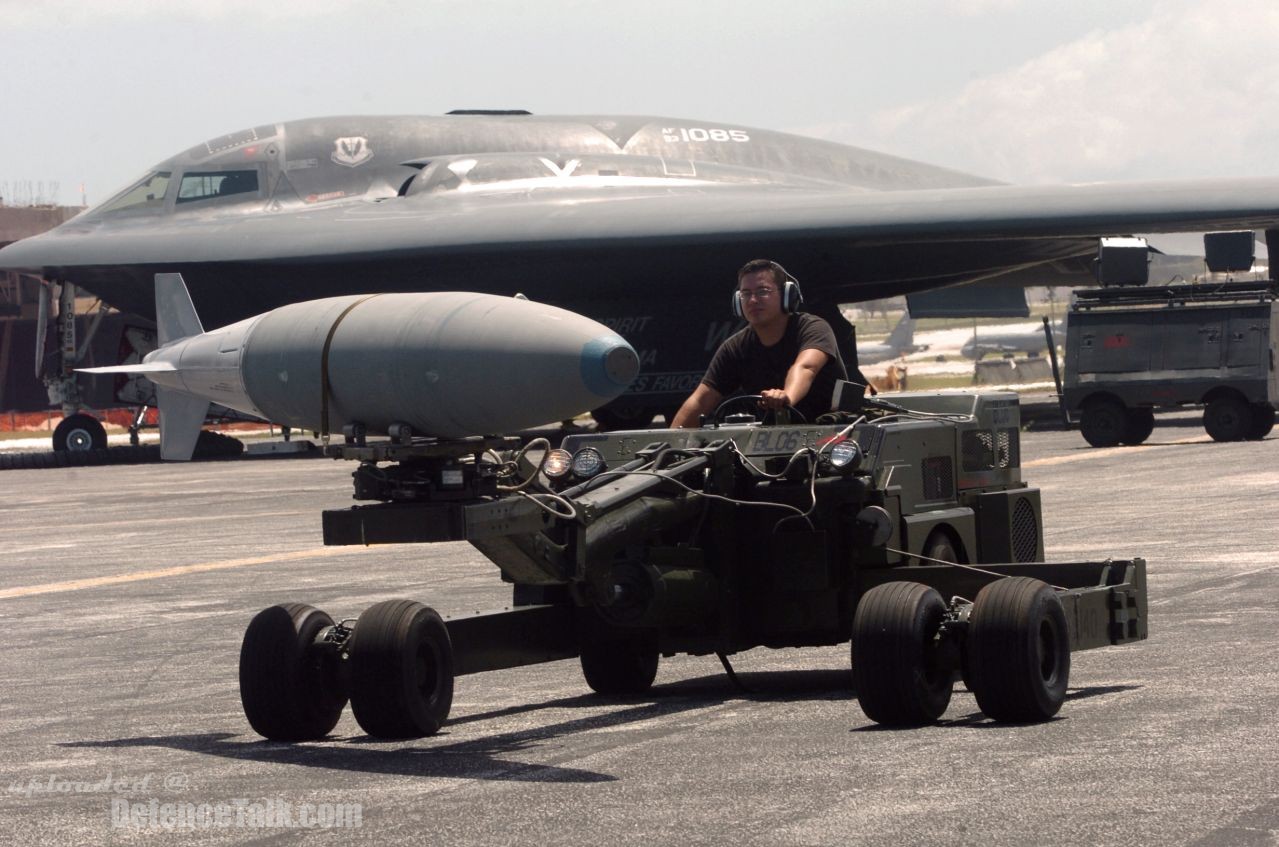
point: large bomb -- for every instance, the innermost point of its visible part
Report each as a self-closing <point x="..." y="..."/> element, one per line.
<point x="447" y="364"/>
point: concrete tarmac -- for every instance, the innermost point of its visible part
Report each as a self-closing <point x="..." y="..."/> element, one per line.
<point x="124" y="593"/>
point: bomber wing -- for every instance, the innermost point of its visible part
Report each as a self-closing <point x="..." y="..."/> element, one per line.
<point x="846" y="245"/>
<point x="707" y="214"/>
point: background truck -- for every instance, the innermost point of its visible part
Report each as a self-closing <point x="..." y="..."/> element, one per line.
<point x="1131" y="350"/>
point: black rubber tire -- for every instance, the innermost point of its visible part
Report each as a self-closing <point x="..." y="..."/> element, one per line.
<point x="19" y="461"/>
<point x="79" y="432"/>
<point x="130" y="455"/>
<point x="83" y="458"/>
<point x="1102" y="422"/>
<point x="940" y="546"/>
<point x="401" y="670"/>
<point x="1138" y="424"/>
<point x="1018" y="650"/>
<point x="618" y="661"/>
<point x="1262" y="421"/>
<point x="1228" y="418"/>
<point x="215" y="445"/>
<point x="896" y="680"/>
<point x="287" y="685"/>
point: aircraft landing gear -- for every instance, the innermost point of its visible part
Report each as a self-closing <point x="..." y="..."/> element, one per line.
<point x="139" y="419"/>
<point x="79" y="432"/>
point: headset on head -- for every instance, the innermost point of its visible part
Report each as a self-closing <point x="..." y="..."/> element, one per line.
<point x="792" y="297"/>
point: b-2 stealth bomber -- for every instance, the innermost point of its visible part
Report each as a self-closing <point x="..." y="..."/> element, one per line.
<point x="636" y="222"/>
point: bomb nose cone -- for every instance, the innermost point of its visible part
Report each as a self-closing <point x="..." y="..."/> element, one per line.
<point x="609" y="365"/>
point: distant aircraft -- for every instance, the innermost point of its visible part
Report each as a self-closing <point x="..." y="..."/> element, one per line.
<point x="636" y="222"/>
<point x="900" y="342"/>
<point x="1028" y="340"/>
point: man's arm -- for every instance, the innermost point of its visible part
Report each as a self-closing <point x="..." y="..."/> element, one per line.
<point x="702" y="401"/>
<point x="799" y="379"/>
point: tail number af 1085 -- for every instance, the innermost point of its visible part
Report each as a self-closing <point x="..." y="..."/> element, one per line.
<point x="696" y="133"/>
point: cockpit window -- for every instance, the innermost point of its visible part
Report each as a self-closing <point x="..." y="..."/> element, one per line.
<point x="147" y="193"/>
<point x="210" y="184"/>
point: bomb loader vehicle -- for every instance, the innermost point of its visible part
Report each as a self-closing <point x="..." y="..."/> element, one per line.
<point x="904" y="528"/>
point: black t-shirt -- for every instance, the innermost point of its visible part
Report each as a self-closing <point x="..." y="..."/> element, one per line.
<point x="743" y="365"/>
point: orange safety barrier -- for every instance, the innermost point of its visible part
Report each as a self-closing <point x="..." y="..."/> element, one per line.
<point x="46" y="421"/>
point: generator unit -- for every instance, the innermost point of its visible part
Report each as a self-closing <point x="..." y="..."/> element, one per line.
<point x="1131" y="351"/>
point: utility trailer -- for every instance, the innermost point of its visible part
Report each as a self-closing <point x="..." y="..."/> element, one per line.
<point x="1131" y="350"/>
<point x="903" y="528"/>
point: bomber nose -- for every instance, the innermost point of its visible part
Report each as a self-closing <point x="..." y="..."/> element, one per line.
<point x="609" y="365"/>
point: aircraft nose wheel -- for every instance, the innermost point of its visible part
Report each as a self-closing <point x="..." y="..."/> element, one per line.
<point x="289" y="683"/>
<point x="1018" y="662"/>
<point x="79" y="432"/>
<point x="401" y="670"/>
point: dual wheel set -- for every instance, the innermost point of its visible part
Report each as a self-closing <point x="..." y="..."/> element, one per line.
<point x="298" y="669"/>
<point x="1106" y="422"/>
<point x="395" y="665"/>
<point x="1011" y="646"/>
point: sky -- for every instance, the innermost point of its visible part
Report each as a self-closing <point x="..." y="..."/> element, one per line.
<point x="94" y="92"/>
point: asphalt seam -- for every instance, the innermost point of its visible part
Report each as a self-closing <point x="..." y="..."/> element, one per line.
<point x="161" y="573"/>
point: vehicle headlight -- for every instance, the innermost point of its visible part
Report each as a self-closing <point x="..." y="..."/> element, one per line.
<point x="846" y="456"/>
<point x="587" y="462"/>
<point x="557" y="464"/>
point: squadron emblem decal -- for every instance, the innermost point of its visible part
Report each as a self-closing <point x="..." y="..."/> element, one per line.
<point x="352" y="151"/>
